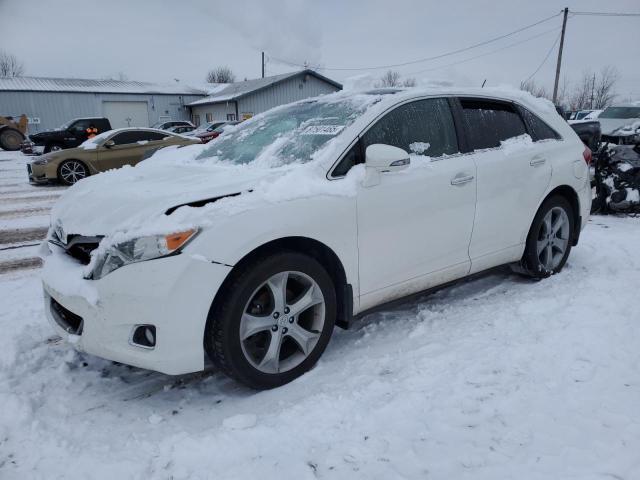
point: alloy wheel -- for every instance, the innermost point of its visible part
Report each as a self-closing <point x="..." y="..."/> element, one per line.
<point x="72" y="171"/>
<point x="553" y="238"/>
<point x="282" y="322"/>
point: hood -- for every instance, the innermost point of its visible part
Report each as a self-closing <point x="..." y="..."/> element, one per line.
<point x="131" y="196"/>
<point x="609" y="125"/>
<point x="46" y="133"/>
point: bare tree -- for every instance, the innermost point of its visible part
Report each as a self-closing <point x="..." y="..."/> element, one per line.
<point x="221" y="75"/>
<point x="595" y="90"/>
<point x="409" y="82"/>
<point x="603" y="91"/>
<point x="10" y="66"/>
<point x="390" y="79"/>
<point x="534" y="89"/>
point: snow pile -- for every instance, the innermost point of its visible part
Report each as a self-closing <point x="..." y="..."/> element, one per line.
<point x="495" y="378"/>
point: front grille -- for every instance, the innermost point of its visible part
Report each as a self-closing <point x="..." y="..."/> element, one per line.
<point x="82" y="251"/>
<point x="68" y="320"/>
<point x="77" y="246"/>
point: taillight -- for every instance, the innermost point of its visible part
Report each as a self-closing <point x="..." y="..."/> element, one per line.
<point x="587" y="155"/>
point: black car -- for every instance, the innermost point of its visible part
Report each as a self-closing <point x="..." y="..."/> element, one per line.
<point x="69" y="135"/>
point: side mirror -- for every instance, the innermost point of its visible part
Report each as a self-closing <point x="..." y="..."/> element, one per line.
<point x="381" y="158"/>
<point x="108" y="144"/>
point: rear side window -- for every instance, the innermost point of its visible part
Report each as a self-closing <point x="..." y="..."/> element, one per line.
<point x="154" y="136"/>
<point x="422" y="127"/>
<point x="129" y="137"/>
<point x="538" y="129"/>
<point x="488" y="122"/>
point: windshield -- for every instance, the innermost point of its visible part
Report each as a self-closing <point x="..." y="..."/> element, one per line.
<point x="286" y="135"/>
<point x="158" y="124"/>
<point x="621" y="112"/>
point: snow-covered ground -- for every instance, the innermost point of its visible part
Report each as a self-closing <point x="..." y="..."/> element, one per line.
<point x="499" y="377"/>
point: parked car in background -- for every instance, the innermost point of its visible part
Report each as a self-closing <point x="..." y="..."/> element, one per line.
<point x="181" y="129"/>
<point x="343" y="203"/>
<point x="205" y="127"/>
<point x="163" y="125"/>
<point x="579" y="114"/>
<point x="621" y="124"/>
<point x="112" y="149"/>
<point x="593" y="115"/>
<point x="211" y="133"/>
<point x="68" y="135"/>
<point x="589" y="132"/>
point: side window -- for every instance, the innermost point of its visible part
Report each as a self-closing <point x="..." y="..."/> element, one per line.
<point x="80" y="125"/>
<point x="489" y="122"/>
<point x="420" y="127"/>
<point x="538" y="128"/>
<point x="126" y="138"/>
<point x="152" y="136"/>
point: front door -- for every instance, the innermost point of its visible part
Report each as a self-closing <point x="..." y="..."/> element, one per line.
<point x="126" y="150"/>
<point x="414" y="227"/>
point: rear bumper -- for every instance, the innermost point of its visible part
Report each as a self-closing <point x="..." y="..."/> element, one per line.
<point x="173" y="294"/>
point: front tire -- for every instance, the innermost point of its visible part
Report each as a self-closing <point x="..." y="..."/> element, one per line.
<point x="72" y="171"/>
<point x="550" y="238"/>
<point x="10" y="139"/>
<point x="273" y="322"/>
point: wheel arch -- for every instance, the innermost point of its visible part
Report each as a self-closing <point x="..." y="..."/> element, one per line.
<point x="569" y="194"/>
<point x="307" y="246"/>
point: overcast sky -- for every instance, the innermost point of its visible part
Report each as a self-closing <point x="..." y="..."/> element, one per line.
<point x="165" y="40"/>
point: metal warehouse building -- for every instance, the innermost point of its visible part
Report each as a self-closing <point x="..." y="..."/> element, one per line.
<point x="242" y="100"/>
<point x="50" y="102"/>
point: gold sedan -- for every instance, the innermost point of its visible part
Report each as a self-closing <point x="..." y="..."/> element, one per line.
<point x="112" y="149"/>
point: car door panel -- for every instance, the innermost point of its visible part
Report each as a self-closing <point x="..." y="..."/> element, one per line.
<point x="513" y="173"/>
<point x="415" y="225"/>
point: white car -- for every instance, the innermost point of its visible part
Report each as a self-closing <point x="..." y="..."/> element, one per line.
<point x="248" y="251"/>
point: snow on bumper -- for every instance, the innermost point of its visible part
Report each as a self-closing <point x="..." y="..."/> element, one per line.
<point x="173" y="294"/>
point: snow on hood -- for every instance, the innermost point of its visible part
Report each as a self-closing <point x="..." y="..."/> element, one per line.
<point x="133" y="201"/>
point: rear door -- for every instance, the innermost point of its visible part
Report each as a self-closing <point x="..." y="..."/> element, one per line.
<point x="128" y="149"/>
<point x="513" y="175"/>
<point x="414" y="227"/>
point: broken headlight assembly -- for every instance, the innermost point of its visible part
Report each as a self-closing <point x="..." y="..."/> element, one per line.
<point x="139" y="249"/>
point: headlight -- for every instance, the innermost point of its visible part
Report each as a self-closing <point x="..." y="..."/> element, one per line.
<point x="139" y="250"/>
<point x="42" y="160"/>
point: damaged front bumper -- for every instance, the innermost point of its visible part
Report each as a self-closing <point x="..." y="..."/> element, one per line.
<point x="99" y="317"/>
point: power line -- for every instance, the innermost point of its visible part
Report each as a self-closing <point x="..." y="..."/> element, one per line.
<point x="608" y="14"/>
<point x="487" y="53"/>
<point x="421" y="60"/>
<point x="546" y="57"/>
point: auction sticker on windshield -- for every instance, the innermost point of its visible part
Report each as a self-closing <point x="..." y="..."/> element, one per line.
<point x="322" y="130"/>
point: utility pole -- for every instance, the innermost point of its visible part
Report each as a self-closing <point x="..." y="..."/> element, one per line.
<point x="564" y="27"/>
<point x="262" y="64"/>
<point x="593" y="86"/>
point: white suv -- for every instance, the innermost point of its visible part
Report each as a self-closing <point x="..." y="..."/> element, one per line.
<point x="248" y="251"/>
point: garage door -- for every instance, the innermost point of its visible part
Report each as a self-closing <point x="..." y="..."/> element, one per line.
<point x="126" y="114"/>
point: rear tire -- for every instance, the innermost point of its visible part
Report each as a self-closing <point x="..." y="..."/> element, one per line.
<point x="266" y="340"/>
<point x="10" y="139"/>
<point x="550" y="238"/>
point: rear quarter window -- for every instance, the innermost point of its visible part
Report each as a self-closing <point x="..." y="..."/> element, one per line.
<point x="538" y="128"/>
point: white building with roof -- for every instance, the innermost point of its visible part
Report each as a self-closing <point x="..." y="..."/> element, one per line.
<point x="242" y="100"/>
<point x="50" y="102"/>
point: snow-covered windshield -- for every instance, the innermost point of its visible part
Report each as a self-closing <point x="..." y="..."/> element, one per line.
<point x="286" y="135"/>
<point x="621" y="112"/>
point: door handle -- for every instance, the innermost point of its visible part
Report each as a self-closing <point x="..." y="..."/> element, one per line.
<point x="461" y="180"/>
<point x="535" y="161"/>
